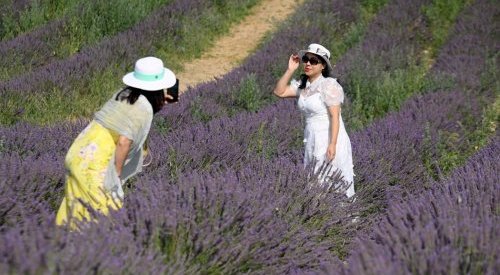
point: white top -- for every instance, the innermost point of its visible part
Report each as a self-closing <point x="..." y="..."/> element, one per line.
<point x="331" y="91"/>
<point x="132" y="121"/>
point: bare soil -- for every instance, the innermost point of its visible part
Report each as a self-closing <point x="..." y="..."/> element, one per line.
<point x="243" y="38"/>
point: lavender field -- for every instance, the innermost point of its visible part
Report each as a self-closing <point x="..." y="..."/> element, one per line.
<point x="226" y="192"/>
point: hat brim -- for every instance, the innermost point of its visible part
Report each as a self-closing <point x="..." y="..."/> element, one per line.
<point x="167" y="81"/>
<point x="330" y="67"/>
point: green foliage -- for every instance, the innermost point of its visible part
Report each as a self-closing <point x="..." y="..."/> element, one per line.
<point x="88" y="21"/>
<point x="173" y="163"/>
<point x="263" y="143"/>
<point x="85" y="24"/>
<point x="371" y="7"/>
<point x="2" y="144"/>
<point x="248" y="95"/>
<point x="43" y="109"/>
<point x="373" y="97"/>
<point x="441" y="16"/>
<point x="16" y="66"/>
<point x="339" y="45"/>
<point x="165" y="242"/>
<point x="37" y="13"/>
<point x="198" y="112"/>
<point x="490" y="79"/>
<point x="367" y="10"/>
<point x="160" y="124"/>
<point x="454" y="148"/>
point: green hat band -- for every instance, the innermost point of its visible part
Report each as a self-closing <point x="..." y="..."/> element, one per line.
<point x="149" y="77"/>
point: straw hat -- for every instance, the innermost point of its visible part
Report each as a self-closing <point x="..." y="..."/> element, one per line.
<point x="150" y="75"/>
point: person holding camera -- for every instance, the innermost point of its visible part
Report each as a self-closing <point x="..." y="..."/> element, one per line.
<point x="111" y="148"/>
<point x="327" y="145"/>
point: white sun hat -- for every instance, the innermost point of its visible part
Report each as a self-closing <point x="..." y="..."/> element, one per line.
<point x="150" y="75"/>
<point x="320" y="51"/>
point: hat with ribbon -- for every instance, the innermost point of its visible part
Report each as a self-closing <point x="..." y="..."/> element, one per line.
<point x="320" y="51"/>
<point x="150" y="75"/>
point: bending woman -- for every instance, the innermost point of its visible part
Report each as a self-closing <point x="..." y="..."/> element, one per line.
<point x="111" y="148"/>
<point x="319" y="98"/>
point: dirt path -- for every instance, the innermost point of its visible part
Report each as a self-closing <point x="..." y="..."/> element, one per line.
<point x="230" y="50"/>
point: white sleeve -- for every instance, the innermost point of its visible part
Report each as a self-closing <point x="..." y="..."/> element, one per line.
<point x="294" y="84"/>
<point x="332" y="92"/>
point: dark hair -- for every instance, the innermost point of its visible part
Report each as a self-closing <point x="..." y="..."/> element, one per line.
<point x="325" y="72"/>
<point x="131" y="94"/>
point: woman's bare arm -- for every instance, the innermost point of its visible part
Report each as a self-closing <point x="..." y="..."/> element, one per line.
<point x="122" y="148"/>
<point x="334" y="112"/>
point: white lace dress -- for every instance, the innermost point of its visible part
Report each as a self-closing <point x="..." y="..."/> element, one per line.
<point x="313" y="101"/>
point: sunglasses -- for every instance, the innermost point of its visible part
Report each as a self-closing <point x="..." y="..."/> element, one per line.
<point x="312" y="60"/>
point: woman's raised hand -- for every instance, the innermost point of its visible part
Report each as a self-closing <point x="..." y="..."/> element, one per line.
<point x="293" y="62"/>
<point x="283" y="89"/>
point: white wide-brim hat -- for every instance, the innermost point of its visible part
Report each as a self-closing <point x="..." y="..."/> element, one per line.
<point x="150" y="75"/>
<point x="320" y="51"/>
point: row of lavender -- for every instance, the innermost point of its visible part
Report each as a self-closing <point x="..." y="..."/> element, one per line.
<point x="56" y="26"/>
<point x="120" y="50"/>
<point x="216" y="223"/>
<point x="226" y="204"/>
<point x="391" y="154"/>
<point x="444" y="226"/>
<point x="451" y="228"/>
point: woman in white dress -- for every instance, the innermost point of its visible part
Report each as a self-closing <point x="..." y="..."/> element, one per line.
<point x="319" y="98"/>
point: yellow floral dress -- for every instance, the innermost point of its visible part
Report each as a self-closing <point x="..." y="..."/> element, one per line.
<point x="86" y="163"/>
<point x="92" y="183"/>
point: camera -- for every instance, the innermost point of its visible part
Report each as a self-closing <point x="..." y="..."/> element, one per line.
<point x="173" y="92"/>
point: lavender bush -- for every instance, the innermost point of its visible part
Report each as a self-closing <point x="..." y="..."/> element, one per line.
<point x="9" y="11"/>
<point x="451" y="228"/>
<point x="398" y="153"/>
<point x="36" y="246"/>
<point x="63" y="34"/>
<point x="221" y="221"/>
<point x="473" y="41"/>
<point x="389" y="65"/>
